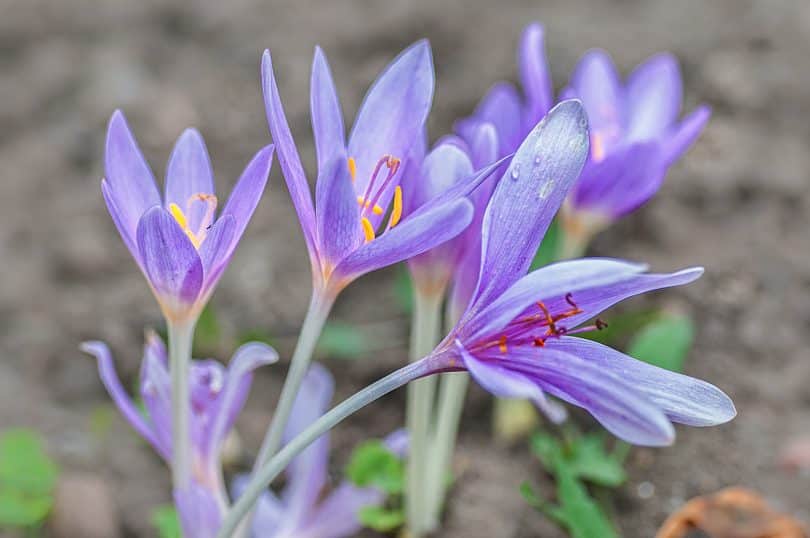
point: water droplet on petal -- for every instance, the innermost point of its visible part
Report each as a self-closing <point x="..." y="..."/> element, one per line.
<point x="516" y="171"/>
<point x="545" y="189"/>
<point x="538" y="159"/>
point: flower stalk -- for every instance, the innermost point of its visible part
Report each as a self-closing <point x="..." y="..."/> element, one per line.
<point x="181" y="336"/>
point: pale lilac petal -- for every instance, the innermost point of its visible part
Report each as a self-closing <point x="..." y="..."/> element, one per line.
<point x="684" y="399"/>
<point x="189" y="173"/>
<point x="308" y="472"/>
<point x="206" y="381"/>
<point x="337" y="211"/>
<point x="131" y="182"/>
<point x="288" y="156"/>
<point x="327" y="118"/>
<point x="615" y="402"/>
<point x="268" y="513"/>
<point x="171" y="262"/>
<point x="215" y="251"/>
<point x="496" y="377"/>
<point x="501" y="107"/>
<point x="393" y="114"/>
<point x="398" y="442"/>
<point x="554" y="280"/>
<point x="529" y="195"/>
<point x="123" y="402"/>
<point x="199" y="511"/>
<point x="596" y="83"/>
<point x="484" y="145"/>
<point x="535" y="76"/>
<point x="337" y="515"/>
<point x="248" y="191"/>
<point x="156" y="393"/>
<point x="622" y="182"/>
<point x="685" y="133"/>
<point x="412" y="236"/>
<point x="119" y="218"/>
<point x="653" y="98"/>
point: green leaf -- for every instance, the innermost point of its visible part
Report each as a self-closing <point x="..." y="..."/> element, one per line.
<point x="342" y="341"/>
<point x="621" y="326"/>
<point x="372" y="464"/>
<point x="27" y="479"/>
<point x="578" y="512"/>
<point x="166" y="522"/>
<point x="208" y="333"/>
<point x="403" y="289"/>
<point x="664" y="342"/>
<point x="381" y="519"/>
<point x="590" y="461"/>
<point x="547" y="252"/>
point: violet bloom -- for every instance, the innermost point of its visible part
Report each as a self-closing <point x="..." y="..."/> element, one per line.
<point x="217" y="396"/>
<point x="302" y="511"/>
<point x="635" y="136"/>
<point x="356" y="224"/>
<point x="515" y="335"/>
<point x="178" y="242"/>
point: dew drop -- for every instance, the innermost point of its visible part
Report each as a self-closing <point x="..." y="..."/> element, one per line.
<point x="538" y="159"/>
<point x="545" y="189"/>
<point x="516" y="171"/>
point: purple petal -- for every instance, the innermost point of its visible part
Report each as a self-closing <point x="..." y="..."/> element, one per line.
<point x="288" y="157"/>
<point x="156" y="393"/>
<point x="484" y="145"/>
<point x="398" y="442"/>
<point x="131" y="182"/>
<point x="615" y="402"/>
<point x="199" y="511"/>
<point x="393" y="114"/>
<point x="412" y="236"/>
<point x="554" y="280"/>
<point x="653" y="98"/>
<point x="500" y="107"/>
<point x="337" y="211"/>
<point x="596" y="83"/>
<point x="445" y="166"/>
<point x="308" y="472"/>
<point x="206" y="382"/>
<point x="622" y="182"/>
<point x="529" y="195"/>
<point x="215" y="252"/>
<point x="187" y="174"/>
<point x="119" y="218"/>
<point x="497" y="378"/>
<point x="248" y="191"/>
<point x="535" y="76"/>
<point x="684" y="399"/>
<point x="171" y="262"/>
<point x="337" y="515"/>
<point x="685" y="134"/>
<point x="268" y="513"/>
<point x="327" y="119"/>
<point x="123" y="402"/>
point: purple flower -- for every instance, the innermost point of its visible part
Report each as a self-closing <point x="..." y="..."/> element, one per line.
<point x="178" y="242"/>
<point x="301" y="511"/>
<point x="356" y="224"/>
<point x="217" y="396"/>
<point x="635" y="133"/>
<point x="515" y="336"/>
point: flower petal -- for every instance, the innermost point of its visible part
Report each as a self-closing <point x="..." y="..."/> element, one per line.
<point x="596" y="82"/>
<point x="156" y="392"/>
<point x="653" y="98"/>
<point x="337" y="211"/>
<point x="327" y="118"/>
<point x="171" y="262"/>
<point x="614" y="401"/>
<point x="535" y="76"/>
<point x="123" y="402"/>
<point x="393" y="114"/>
<point x="412" y="236"/>
<point x="685" y="134"/>
<point x="199" y="511"/>
<point x="187" y="174"/>
<point x="215" y="252"/>
<point x="131" y="182"/>
<point x="684" y="399"/>
<point x="119" y="218"/>
<point x="529" y="195"/>
<point x="288" y="157"/>
<point x="268" y="513"/>
<point x="501" y="107"/>
<point x="337" y="515"/>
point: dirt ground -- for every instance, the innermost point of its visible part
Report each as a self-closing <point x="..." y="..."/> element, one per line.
<point x="739" y="204"/>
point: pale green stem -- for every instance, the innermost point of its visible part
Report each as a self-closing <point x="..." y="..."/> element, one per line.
<point x="263" y="476"/>
<point x="319" y="308"/>
<point x="425" y="334"/>
<point x="573" y="246"/>
<point x="181" y="336"/>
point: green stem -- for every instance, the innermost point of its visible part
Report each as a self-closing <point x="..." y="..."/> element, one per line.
<point x="319" y="308"/>
<point x="425" y="333"/>
<point x="265" y="474"/>
<point x="181" y="336"/>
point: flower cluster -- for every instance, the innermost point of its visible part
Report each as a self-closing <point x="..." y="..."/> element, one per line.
<point x="467" y="214"/>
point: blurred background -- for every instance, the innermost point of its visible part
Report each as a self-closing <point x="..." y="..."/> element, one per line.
<point x="738" y="203"/>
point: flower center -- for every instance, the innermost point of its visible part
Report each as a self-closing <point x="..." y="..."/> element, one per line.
<point x="197" y="237"/>
<point x="368" y="202"/>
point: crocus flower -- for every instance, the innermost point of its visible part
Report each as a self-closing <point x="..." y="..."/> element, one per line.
<point x="178" y="242"/>
<point x="217" y="396"/>
<point x="515" y="336"/>
<point x="635" y="136"/>
<point x="357" y="224"/>
<point x="302" y="511"/>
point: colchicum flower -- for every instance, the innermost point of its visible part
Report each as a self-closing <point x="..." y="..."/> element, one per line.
<point x="302" y="511"/>
<point x="178" y="242"/>
<point x="515" y="336"/>
<point x="357" y="223"/>
<point x="217" y="396"/>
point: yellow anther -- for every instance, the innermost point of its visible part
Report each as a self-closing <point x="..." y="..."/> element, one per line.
<point x="377" y="210"/>
<point x="181" y="219"/>
<point x="396" y="212"/>
<point x="361" y="201"/>
<point x="368" y="229"/>
<point x="597" y="147"/>
<point x="352" y="168"/>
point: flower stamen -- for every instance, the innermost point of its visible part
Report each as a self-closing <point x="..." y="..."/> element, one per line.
<point x="206" y="222"/>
